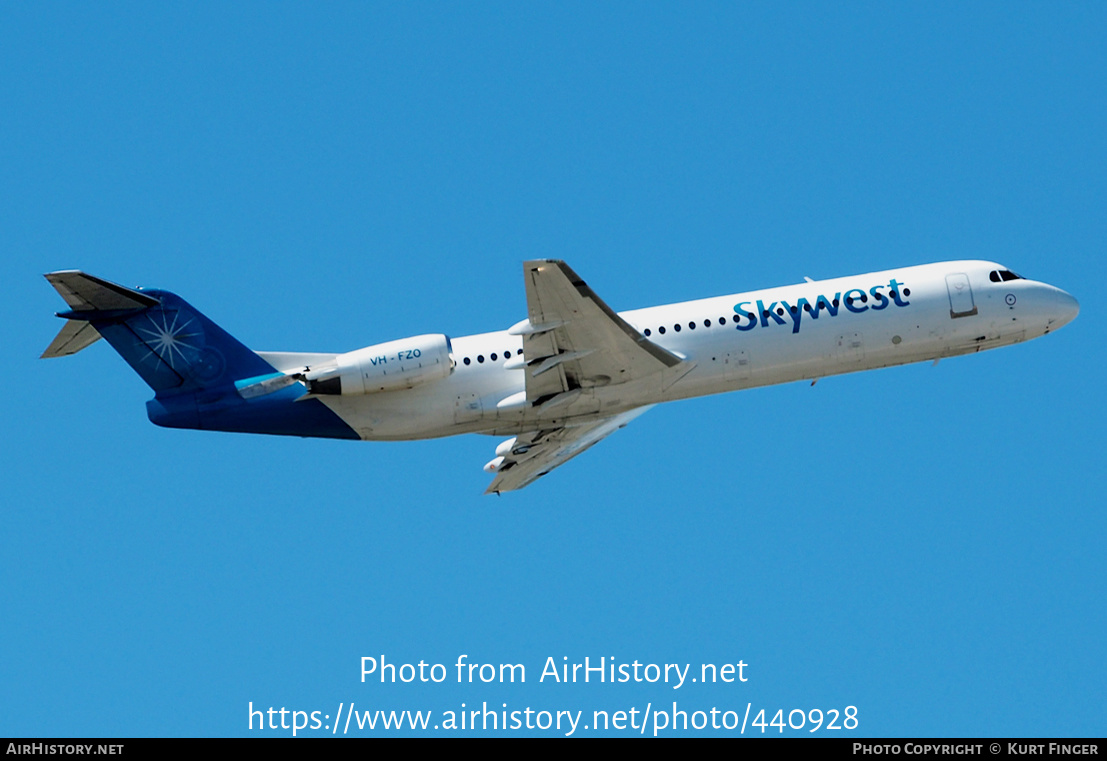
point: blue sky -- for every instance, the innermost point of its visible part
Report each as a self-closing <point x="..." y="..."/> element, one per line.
<point x="923" y="543"/>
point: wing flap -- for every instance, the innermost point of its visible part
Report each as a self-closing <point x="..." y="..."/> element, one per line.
<point x="535" y="454"/>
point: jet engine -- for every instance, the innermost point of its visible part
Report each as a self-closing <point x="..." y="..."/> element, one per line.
<point x="390" y="366"/>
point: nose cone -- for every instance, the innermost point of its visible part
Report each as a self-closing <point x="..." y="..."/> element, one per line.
<point x="1065" y="309"/>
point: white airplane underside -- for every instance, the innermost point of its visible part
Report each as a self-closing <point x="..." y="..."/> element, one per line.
<point x="571" y="373"/>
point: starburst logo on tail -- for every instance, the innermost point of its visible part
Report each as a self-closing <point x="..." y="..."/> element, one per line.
<point x="169" y="339"/>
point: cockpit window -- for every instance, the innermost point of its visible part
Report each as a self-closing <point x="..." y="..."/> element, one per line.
<point x="1002" y="276"/>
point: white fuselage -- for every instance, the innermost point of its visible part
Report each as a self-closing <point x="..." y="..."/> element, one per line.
<point x="790" y="333"/>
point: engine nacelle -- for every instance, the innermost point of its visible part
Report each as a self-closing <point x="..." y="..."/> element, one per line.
<point x="390" y="366"/>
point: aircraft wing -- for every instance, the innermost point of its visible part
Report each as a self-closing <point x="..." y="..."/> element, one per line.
<point x="533" y="455"/>
<point x="573" y="340"/>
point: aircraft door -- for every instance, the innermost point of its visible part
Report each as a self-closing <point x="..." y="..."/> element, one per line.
<point x="960" y="295"/>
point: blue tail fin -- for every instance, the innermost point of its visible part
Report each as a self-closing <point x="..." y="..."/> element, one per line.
<point x="190" y="362"/>
<point x="172" y="346"/>
<point x="168" y="342"/>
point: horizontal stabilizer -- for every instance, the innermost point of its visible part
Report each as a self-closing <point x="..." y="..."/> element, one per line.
<point x="87" y="293"/>
<point x="74" y="336"/>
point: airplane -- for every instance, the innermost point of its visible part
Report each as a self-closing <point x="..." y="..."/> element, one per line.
<point x="569" y="374"/>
